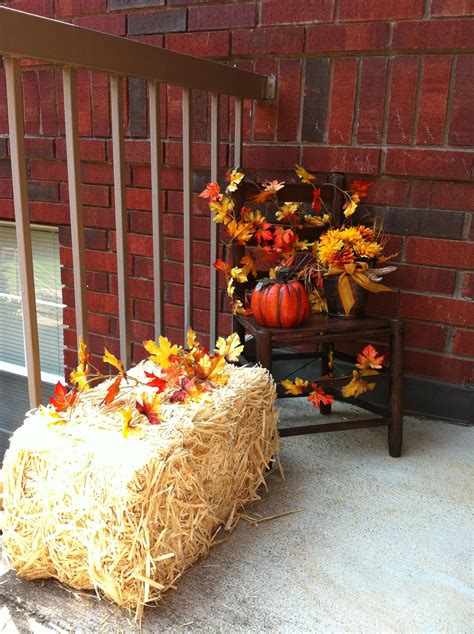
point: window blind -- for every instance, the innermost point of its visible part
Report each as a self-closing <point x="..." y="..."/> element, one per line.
<point x="47" y="273"/>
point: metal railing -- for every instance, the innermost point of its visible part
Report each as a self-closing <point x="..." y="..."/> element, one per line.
<point x="23" y="35"/>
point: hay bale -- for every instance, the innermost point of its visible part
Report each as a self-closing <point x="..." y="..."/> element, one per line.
<point x="128" y="516"/>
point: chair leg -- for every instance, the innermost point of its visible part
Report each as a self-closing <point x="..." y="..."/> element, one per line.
<point x="264" y="350"/>
<point x="326" y="349"/>
<point x="395" y="427"/>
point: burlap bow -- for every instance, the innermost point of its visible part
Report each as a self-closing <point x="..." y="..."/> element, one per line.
<point x="356" y="271"/>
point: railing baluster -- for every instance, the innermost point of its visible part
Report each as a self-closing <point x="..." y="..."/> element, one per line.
<point x="156" y="203"/>
<point x="75" y="202"/>
<point x="214" y="312"/>
<point x="121" y="217"/>
<point x="23" y="233"/>
<point x="238" y="107"/>
<point x="187" y="205"/>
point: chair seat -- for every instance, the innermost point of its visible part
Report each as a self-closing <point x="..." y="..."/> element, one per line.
<point x="315" y="325"/>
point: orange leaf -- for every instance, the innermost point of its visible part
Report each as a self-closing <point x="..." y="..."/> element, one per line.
<point x="369" y="359"/>
<point x="212" y="192"/>
<point x="156" y="381"/>
<point x="112" y="391"/>
<point x="318" y="396"/>
<point x="262" y="197"/>
<point x="61" y="400"/>
<point x="220" y="265"/>
<point x="361" y="188"/>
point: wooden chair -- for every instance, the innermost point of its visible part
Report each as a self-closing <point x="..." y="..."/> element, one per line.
<point x="322" y="333"/>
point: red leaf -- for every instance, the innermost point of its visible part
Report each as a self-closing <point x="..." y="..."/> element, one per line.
<point x="112" y="391"/>
<point x="184" y="392"/>
<point x="318" y="396"/>
<point x="212" y="192"/>
<point x="361" y="188"/>
<point x="61" y="400"/>
<point x="156" y="381"/>
<point x="220" y="265"/>
<point x="317" y="204"/>
<point x="370" y="359"/>
<point x="150" y="409"/>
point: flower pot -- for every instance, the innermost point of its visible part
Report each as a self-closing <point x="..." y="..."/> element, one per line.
<point x="334" y="302"/>
<point x="280" y="304"/>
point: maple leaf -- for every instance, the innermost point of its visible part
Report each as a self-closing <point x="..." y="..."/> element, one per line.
<point x="249" y="266"/>
<point x="156" y="381"/>
<point x="112" y="391"/>
<point x="263" y="232"/>
<point x="150" y="408"/>
<point x="61" y="400"/>
<point x="161" y="352"/>
<point x="303" y="175"/>
<point x="222" y="210"/>
<point x="84" y="356"/>
<point x="237" y="308"/>
<point x="361" y="188"/>
<point x="191" y="339"/>
<point x="369" y="359"/>
<point x="220" y="265"/>
<point x="358" y="385"/>
<point x="212" y="370"/>
<point x="233" y="178"/>
<point x="230" y="287"/>
<point x="295" y="388"/>
<point x="238" y="274"/>
<point x="112" y="360"/>
<point x="262" y="196"/>
<point x="241" y="232"/>
<point x="78" y="377"/>
<point x="283" y="239"/>
<point x="128" y="430"/>
<point x="185" y="392"/>
<point x="230" y="348"/>
<point x="350" y="206"/>
<point x="212" y="192"/>
<point x="317" y="205"/>
<point x="273" y="186"/>
<point x="318" y="396"/>
<point x="288" y="211"/>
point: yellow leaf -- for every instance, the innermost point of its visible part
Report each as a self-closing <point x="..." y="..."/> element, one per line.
<point x="303" y="175"/>
<point x="272" y="273"/>
<point x="238" y="274"/>
<point x="128" y="430"/>
<point x="56" y="419"/>
<point x="241" y="232"/>
<point x="222" y="210"/>
<point x="191" y="339"/>
<point x="357" y="385"/>
<point x="295" y="388"/>
<point x="161" y="352"/>
<point x="230" y="348"/>
<point x="83" y="354"/>
<point x="112" y="359"/>
<point x="212" y="370"/>
<point x="350" y="209"/>
<point x="230" y="286"/>
<point x="234" y="179"/>
<point x="79" y="377"/>
<point x="248" y="265"/>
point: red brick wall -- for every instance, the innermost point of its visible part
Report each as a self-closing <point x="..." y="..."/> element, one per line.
<point x="380" y="89"/>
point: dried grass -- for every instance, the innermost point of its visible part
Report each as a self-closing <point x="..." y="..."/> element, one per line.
<point x="127" y="516"/>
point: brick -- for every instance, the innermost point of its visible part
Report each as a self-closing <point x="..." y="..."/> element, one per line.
<point x="137" y="107"/>
<point x="67" y="8"/>
<point x="468" y="285"/>
<point x="423" y="335"/>
<point x="341" y="112"/>
<point x="97" y="173"/>
<point x="441" y="8"/>
<point x="268" y="41"/>
<point x="366" y="10"/>
<point x="439" y="366"/>
<point x="47" y="96"/>
<point x="95" y="281"/>
<point x="433" y="99"/>
<point x="99" y="217"/>
<point x="464" y="342"/>
<point x="6" y="188"/>
<point x="31" y="102"/>
<point x="461" y="129"/>
<point x="3" y="148"/>
<point x="446" y="253"/>
<point x="89" y="149"/>
<point x="265" y="113"/>
<point x="422" y="278"/>
<point x="39" y="147"/>
<point x="49" y="213"/>
<point x="84" y="114"/>
<point x="38" y="7"/>
<point x="138" y="199"/>
<point x="5" y="168"/>
<point x="361" y="160"/>
<point x="272" y="157"/>
<point x="201" y="154"/>
<point x="388" y="191"/>
<point x="140" y="222"/>
<point x="345" y="37"/>
<point x="297" y="11"/>
<point x="114" y="24"/>
<point x="114" y="5"/>
<point x="443" y="195"/>
<point x="95" y="195"/>
<point x="385" y="304"/>
<point x="222" y="16"/>
<point x="372" y="100"/>
<point x="421" y="222"/>
<point x="289" y="88"/>
<point x="401" y="110"/>
<point x="439" y="35"/>
<point x="100" y="105"/>
<point x="48" y="170"/>
<point x="93" y="238"/>
<point x="200" y="43"/>
<point x="47" y="192"/>
<point x="166" y="21"/>
<point x="429" y="163"/>
<point x="315" y="102"/>
<point x="437" y="309"/>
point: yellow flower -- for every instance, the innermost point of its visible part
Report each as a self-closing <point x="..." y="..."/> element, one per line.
<point x="161" y="352"/>
<point x="295" y="388"/>
<point x="369" y="250"/>
<point x="329" y="244"/>
<point x="303" y="175"/>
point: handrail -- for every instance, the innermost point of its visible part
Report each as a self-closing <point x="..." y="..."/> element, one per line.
<point x="26" y="35"/>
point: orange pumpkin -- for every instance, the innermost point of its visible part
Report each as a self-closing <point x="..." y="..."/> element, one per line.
<point x="280" y="304"/>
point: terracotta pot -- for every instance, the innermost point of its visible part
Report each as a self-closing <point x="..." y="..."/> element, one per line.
<point x="335" y="306"/>
<point x="280" y="304"/>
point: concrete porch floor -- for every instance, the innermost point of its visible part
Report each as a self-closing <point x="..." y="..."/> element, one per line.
<point x="380" y="545"/>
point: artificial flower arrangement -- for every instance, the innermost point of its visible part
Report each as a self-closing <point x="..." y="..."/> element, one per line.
<point x="350" y="254"/>
<point x="186" y="374"/>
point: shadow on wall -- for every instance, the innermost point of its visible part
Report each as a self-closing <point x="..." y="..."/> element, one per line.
<point x="14" y="403"/>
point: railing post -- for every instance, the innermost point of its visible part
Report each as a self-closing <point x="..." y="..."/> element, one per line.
<point x="187" y="208"/>
<point x="23" y="232"/>
<point x="156" y="203"/>
<point x="75" y="202"/>
<point x="238" y="108"/>
<point x="121" y="218"/>
<point x="214" y="299"/>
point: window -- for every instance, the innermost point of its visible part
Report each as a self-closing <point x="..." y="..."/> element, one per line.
<point x="47" y="272"/>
